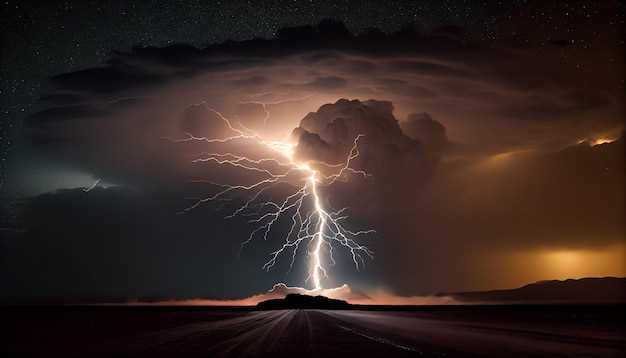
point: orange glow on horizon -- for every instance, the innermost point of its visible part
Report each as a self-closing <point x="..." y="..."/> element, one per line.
<point x="343" y="292"/>
<point x="561" y="264"/>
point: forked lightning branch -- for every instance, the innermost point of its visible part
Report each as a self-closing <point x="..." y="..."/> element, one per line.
<point x="313" y="227"/>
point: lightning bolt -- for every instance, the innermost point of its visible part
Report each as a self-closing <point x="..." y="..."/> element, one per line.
<point x="311" y="223"/>
<point x="92" y="186"/>
<point x="265" y="105"/>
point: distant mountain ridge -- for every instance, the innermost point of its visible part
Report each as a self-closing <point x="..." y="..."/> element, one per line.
<point x="584" y="290"/>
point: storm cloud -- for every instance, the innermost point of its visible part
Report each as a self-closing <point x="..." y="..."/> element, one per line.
<point x="474" y="154"/>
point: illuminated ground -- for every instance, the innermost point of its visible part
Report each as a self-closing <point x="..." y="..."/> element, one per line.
<point x="434" y="331"/>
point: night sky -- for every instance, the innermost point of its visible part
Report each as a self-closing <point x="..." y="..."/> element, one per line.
<point x="40" y="39"/>
<point x="508" y="145"/>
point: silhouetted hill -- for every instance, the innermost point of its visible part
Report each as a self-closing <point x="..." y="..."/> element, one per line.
<point x="584" y="290"/>
<point x="298" y="301"/>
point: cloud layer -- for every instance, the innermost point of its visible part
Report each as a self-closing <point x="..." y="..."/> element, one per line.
<point x="475" y="154"/>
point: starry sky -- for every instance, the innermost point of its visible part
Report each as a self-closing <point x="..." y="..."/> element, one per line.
<point x="498" y="105"/>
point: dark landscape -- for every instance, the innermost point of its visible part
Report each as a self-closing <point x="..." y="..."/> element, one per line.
<point x="428" y="331"/>
<point x="307" y="326"/>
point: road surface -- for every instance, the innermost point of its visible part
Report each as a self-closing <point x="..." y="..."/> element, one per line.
<point x="320" y="333"/>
